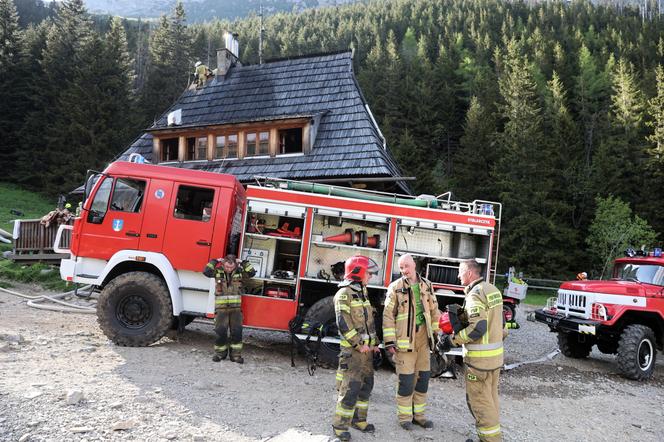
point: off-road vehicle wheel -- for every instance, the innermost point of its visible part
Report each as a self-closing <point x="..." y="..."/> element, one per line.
<point x="571" y="346"/>
<point x="134" y="309"/>
<point x="322" y="313"/>
<point x="637" y="352"/>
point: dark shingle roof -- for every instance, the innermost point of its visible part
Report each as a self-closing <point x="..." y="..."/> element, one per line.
<point x="347" y="144"/>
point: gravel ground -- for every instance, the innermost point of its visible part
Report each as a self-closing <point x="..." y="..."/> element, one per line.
<point x="64" y="381"/>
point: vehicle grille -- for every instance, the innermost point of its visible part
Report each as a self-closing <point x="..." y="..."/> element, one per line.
<point x="572" y="304"/>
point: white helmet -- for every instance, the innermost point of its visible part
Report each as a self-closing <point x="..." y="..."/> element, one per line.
<point x="198" y="63"/>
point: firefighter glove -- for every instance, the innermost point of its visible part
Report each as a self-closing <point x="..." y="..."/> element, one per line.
<point x="455" y="321"/>
<point x="444" y="343"/>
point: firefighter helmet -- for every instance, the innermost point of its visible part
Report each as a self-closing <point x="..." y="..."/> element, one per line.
<point x="356" y="267"/>
<point x="444" y="323"/>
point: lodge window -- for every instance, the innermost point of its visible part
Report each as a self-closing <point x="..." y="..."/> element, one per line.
<point x="169" y="149"/>
<point x="201" y="148"/>
<point x="290" y="141"/>
<point x="225" y="146"/>
<point x="258" y="143"/>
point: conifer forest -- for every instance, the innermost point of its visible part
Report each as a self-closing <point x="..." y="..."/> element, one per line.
<point x="555" y="109"/>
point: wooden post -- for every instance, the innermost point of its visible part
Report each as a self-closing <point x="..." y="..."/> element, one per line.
<point x="211" y="146"/>
<point x="274" y="142"/>
<point x="306" y="138"/>
<point x="241" y="143"/>
<point x="182" y="148"/>
<point x="156" y="150"/>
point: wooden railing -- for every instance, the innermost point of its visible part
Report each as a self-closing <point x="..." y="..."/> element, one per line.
<point x="35" y="241"/>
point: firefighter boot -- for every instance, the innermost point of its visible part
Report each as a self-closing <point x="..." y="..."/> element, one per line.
<point x="237" y="358"/>
<point x="363" y="426"/>
<point x="424" y="423"/>
<point x="341" y="435"/>
<point x="220" y="353"/>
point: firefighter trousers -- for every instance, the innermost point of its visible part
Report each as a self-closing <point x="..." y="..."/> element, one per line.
<point x="225" y="320"/>
<point x="355" y="379"/>
<point x="413" y="370"/>
<point x="482" y="398"/>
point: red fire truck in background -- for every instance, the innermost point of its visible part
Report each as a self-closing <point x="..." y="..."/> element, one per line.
<point x="146" y="232"/>
<point x="622" y="316"/>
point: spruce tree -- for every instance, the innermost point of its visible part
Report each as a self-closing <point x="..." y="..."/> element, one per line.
<point x="13" y="100"/>
<point x="170" y="65"/>
<point x="620" y="155"/>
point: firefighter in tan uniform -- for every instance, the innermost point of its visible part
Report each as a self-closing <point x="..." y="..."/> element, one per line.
<point x="482" y="340"/>
<point x="410" y="327"/>
<point x="229" y="282"/>
<point x="355" y="376"/>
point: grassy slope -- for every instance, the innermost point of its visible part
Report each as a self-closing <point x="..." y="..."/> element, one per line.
<point x="33" y="206"/>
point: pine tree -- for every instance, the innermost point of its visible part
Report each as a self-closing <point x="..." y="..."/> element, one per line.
<point x="477" y="155"/>
<point x="533" y="235"/>
<point x="13" y="100"/>
<point x="620" y="155"/>
<point x="48" y="143"/>
<point x="656" y="113"/>
<point x="170" y="65"/>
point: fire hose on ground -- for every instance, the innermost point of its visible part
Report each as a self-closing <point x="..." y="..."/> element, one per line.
<point x="66" y="307"/>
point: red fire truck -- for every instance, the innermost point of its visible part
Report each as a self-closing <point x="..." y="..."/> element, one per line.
<point x="622" y="316"/>
<point x="146" y="233"/>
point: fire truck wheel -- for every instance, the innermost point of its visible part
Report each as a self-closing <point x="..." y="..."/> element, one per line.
<point x="637" y="352"/>
<point x="322" y="313"/>
<point x="570" y="345"/>
<point x="134" y="309"/>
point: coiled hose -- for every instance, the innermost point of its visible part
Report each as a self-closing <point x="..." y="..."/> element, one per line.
<point x="67" y="307"/>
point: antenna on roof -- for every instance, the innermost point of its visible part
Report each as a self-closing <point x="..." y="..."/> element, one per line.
<point x="260" y="34"/>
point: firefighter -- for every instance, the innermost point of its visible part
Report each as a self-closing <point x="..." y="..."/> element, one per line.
<point x="482" y="339"/>
<point x="355" y="376"/>
<point x="202" y="73"/>
<point x="410" y="327"/>
<point x="230" y="279"/>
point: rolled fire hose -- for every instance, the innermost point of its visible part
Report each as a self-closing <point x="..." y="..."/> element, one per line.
<point x="35" y="302"/>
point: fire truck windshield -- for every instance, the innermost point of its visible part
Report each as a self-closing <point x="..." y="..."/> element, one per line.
<point x="646" y="273"/>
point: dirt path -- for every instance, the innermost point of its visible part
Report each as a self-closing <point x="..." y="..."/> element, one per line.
<point x="173" y="391"/>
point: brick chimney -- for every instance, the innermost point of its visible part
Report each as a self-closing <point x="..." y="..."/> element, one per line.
<point x="227" y="56"/>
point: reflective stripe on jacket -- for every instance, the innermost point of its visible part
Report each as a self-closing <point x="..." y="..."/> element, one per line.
<point x="228" y="286"/>
<point x="483" y="302"/>
<point x="399" y="314"/>
<point x="354" y="315"/>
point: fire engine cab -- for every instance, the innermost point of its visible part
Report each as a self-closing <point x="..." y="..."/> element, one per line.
<point x="622" y="316"/>
<point x="146" y="233"/>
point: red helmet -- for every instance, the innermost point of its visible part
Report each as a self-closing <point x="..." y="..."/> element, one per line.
<point x="444" y="323"/>
<point x="356" y="267"/>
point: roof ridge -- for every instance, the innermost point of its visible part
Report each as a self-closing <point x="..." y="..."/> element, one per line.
<point x="298" y="57"/>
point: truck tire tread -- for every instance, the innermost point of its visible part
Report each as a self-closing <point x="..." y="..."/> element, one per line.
<point x="628" y="348"/>
<point x="154" y="291"/>
<point x="571" y="347"/>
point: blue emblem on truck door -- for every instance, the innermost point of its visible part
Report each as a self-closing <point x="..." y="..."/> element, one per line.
<point x="118" y="224"/>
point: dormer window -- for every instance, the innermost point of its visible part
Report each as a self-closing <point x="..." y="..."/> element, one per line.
<point x="225" y="146"/>
<point x="169" y="149"/>
<point x="269" y="139"/>
<point x="290" y="141"/>
<point x="258" y="144"/>
<point x="201" y="148"/>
